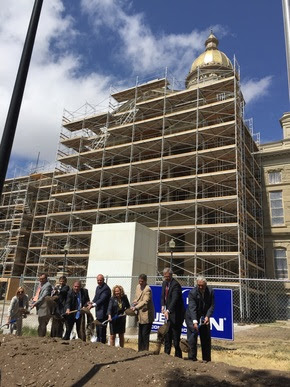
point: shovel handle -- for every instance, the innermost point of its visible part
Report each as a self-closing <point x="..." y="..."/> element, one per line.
<point x="70" y="312"/>
<point x="74" y="311"/>
<point x="8" y="323"/>
<point x="113" y="318"/>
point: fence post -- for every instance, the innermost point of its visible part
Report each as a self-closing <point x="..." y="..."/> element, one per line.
<point x="3" y="308"/>
<point x="241" y="301"/>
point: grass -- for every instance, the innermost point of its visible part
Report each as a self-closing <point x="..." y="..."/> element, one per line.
<point x="264" y="347"/>
<point x="27" y="331"/>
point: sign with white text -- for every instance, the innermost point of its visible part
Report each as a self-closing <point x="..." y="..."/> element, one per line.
<point x="221" y="322"/>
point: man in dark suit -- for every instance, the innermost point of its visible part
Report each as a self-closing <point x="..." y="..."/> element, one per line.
<point x="200" y="308"/>
<point x="59" y="292"/>
<point x="101" y="302"/>
<point x="173" y="310"/>
<point x="77" y="298"/>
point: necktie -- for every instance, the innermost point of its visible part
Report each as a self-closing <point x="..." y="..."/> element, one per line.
<point x="35" y="298"/>
<point x="79" y="306"/>
<point x="166" y="291"/>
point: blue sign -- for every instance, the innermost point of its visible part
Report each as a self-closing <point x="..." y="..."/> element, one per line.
<point x="221" y="322"/>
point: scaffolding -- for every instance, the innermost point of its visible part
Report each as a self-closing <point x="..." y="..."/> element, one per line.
<point x="17" y="202"/>
<point x="179" y="161"/>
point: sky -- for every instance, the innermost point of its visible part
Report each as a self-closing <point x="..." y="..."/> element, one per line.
<point x="84" y="49"/>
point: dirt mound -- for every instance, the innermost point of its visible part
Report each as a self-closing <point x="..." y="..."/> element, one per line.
<point x="33" y="361"/>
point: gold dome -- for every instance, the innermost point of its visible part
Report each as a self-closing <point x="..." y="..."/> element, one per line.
<point x="211" y="58"/>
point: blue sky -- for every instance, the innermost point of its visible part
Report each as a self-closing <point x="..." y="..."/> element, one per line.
<point x="84" y="47"/>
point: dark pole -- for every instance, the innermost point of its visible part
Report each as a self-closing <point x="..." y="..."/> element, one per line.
<point x="64" y="262"/>
<point x="16" y="99"/>
<point x="66" y="250"/>
<point x="171" y="246"/>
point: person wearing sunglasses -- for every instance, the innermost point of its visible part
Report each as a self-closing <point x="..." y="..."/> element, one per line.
<point x="17" y="310"/>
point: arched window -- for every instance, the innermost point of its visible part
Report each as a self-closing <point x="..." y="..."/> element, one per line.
<point x="280" y="261"/>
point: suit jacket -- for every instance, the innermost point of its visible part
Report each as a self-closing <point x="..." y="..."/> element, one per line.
<point x="62" y="293"/>
<point x="101" y="299"/>
<point x="41" y="306"/>
<point x="144" y="304"/>
<point x="113" y="308"/>
<point x="174" y="302"/>
<point x="199" y="306"/>
<point x="72" y="301"/>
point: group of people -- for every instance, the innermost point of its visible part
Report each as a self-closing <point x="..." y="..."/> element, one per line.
<point x="67" y="307"/>
<point x="20" y="305"/>
<point x="112" y="309"/>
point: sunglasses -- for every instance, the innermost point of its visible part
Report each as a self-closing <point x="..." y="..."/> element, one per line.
<point x="20" y="292"/>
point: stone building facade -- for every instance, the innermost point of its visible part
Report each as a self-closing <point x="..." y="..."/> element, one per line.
<point x="275" y="163"/>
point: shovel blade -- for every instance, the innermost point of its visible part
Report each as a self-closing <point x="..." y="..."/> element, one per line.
<point x="97" y="323"/>
<point x="163" y="330"/>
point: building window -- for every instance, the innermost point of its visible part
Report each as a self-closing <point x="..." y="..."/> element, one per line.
<point x="276" y="208"/>
<point x="280" y="261"/>
<point x="274" y="177"/>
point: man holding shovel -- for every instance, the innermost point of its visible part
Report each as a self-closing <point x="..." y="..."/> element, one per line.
<point x="144" y="306"/>
<point x="60" y="294"/>
<point x="77" y="298"/>
<point x="200" y="308"/>
<point x="101" y="303"/>
<point x="173" y="310"/>
<point x="43" y="308"/>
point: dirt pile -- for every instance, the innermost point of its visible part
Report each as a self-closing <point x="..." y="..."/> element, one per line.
<point x="33" y="361"/>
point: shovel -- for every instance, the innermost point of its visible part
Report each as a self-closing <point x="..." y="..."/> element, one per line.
<point x="7" y="324"/>
<point x="184" y="346"/>
<point x="99" y="323"/>
<point x="71" y="312"/>
<point x="162" y="330"/>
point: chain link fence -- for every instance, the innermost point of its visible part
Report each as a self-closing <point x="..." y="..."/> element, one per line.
<point x="254" y="300"/>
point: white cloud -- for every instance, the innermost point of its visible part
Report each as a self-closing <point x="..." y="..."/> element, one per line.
<point x="255" y="89"/>
<point x="54" y="80"/>
<point x="144" y="51"/>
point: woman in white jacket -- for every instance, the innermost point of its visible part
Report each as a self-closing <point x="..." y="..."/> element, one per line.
<point x="18" y="305"/>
